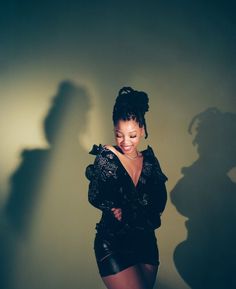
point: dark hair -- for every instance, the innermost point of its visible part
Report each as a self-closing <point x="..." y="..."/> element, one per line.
<point x="131" y="104"/>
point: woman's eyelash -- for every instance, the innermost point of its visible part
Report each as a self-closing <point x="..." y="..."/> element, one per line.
<point x="119" y="136"/>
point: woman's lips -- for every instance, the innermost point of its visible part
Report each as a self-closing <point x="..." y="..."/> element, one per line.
<point x="126" y="148"/>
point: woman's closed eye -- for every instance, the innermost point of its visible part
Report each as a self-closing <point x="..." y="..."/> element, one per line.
<point x="131" y="136"/>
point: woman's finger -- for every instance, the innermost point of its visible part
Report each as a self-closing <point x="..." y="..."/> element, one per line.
<point x="117" y="213"/>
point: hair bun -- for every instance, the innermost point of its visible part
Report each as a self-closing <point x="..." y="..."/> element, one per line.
<point x="131" y="105"/>
<point x="137" y="100"/>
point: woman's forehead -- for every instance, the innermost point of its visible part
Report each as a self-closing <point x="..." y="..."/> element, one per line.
<point x="127" y="125"/>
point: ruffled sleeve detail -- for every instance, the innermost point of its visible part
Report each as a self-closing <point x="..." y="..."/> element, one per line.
<point x="90" y="172"/>
<point x="97" y="149"/>
<point x="156" y="165"/>
<point x="102" y="175"/>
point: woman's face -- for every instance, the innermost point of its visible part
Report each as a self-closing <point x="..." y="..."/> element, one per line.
<point x="128" y="135"/>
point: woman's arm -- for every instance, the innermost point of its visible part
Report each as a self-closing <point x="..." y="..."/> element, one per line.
<point x="146" y="213"/>
<point x="101" y="187"/>
<point x="155" y="205"/>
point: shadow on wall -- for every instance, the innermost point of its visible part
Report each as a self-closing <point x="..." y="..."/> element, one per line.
<point x="64" y="161"/>
<point x="161" y="285"/>
<point x="207" y="197"/>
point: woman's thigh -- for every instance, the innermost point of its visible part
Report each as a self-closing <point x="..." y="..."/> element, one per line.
<point x="149" y="273"/>
<point x="129" y="278"/>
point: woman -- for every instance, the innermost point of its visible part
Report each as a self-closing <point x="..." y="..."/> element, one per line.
<point x="128" y="186"/>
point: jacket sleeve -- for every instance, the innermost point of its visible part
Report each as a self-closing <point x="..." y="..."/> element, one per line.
<point x="101" y="176"/>
<point x="159" y="193"/>
<point x="154" y="207"/>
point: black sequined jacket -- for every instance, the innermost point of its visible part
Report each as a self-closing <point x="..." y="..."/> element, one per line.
<point x="112" y="187"/>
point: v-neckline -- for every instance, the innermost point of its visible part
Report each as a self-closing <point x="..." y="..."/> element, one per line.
<point x="125" y="170"/>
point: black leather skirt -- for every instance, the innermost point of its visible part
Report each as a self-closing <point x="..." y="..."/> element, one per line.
<point x="115" y="253"/>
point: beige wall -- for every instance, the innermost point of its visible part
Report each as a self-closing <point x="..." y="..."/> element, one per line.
<point x="56" y="250"/>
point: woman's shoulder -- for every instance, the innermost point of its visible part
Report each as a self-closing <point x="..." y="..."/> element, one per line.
<point x="151" y="158"/>
<point x="97" y="149"/>
<point x="105" y="162"/>
<point x="149" y="153"/>
<point x="107" y="151"/>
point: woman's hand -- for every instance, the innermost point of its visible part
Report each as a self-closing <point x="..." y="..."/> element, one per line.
<point x="117" y="213"/>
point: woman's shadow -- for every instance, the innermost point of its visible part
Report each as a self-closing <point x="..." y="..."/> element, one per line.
<point x="207" y="197"/>
<point x="64" y="159"/>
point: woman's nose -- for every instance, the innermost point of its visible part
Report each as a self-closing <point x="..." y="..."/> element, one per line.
<point x="126" y="140"/>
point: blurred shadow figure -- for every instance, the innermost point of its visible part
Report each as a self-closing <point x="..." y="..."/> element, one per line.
<point x="206" y="196"/>
<point x="66" y="117"/>
<point x="61" y="163"/>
